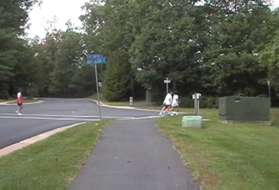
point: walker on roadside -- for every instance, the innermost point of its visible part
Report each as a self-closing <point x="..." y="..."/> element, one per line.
<point x="19" y="101"/>
<point x="170" y="102"/>
<point x="167" y="112"/>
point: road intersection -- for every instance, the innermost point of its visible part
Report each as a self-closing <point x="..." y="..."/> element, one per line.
<point x="53" y="113"/>
<point x="132" y="153"/>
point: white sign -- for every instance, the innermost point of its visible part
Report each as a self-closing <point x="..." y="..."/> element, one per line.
<point x="167" y="81"/>
<point x="100" y="84"/>
<point x="196" y="96"/>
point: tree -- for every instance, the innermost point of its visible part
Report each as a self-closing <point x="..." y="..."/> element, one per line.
<point x="170" y="43"/>
<point x="109" y="33"/>
<point x="66" y="63"/>
<point x="43" y="60"/>
<point x="239" y="30"/>
<point x="60" y="68"/>
<point x="211" y="47"/>
<point x="270" y="59"/>
<point x="13" y="17"/>
<point x="117" y="78"/>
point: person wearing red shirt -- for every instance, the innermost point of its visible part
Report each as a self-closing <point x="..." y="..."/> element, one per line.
<point x="19" y="102"/>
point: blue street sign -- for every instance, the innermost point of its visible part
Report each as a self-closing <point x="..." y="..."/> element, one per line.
<point x="96" y="59"/>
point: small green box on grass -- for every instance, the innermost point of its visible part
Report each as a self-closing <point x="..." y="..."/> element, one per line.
<point x="192" y="121"/>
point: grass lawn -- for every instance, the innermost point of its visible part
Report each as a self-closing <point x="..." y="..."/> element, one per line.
<point x="5" y="100"/>
<point x="228" y="156"/>
<point x="122" y="103"/>
<point x="32" y="100"/>
<point x="52" y="163"/>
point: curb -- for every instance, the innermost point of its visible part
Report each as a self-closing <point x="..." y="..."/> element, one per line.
<point x="9" y="103"/>
<point x="122" y="107"/>
<point x="27" y="142"/>
<point x="128" y="107"/>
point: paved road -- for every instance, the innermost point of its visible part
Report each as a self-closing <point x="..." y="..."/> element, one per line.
<point x="51" y="114"/>
<point x="134" y="155"/>
<point x="131" y="155"/>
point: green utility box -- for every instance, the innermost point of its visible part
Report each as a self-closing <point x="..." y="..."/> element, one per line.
<point x="192" y="121"/>
<point x="246" y="109"/>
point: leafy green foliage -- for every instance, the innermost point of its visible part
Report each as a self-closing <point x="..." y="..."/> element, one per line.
<point x="13" y="17"/>
<point x="116" y="79"/>
<point x="66" y="63"/>
<point x="109" y="33"/>
<point x="61" y="68"/>
<point x="168" y="44"/>
<point x="211" y="47"/>
<point x="270" y="58"/>
<point x="215" y="47"/>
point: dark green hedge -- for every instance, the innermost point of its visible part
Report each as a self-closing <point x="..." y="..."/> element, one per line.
<point x="205" y="102"/>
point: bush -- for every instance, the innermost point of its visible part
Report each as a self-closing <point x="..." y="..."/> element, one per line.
<point x="205" y="102"/>
<point x="186" y="102"/>
<point x="209" y="102"/>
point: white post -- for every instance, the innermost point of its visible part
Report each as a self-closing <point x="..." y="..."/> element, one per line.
<point x="131" y="101"/>
<point x="97" y="89"/>
<point x="269" y="88"/>
<point x="167" y="81"/>
<point x="167" y="84"/>
<point x="196" y="104"/>
<point x="196" y="98"/>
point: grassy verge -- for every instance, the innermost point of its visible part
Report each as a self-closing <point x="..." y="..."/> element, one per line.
<point x="121" y="103"/>
<point x="229" y="156"/>
<point x="33" y="100"/>
<point x="5" y="100"/>
<point x="50" y="164"/>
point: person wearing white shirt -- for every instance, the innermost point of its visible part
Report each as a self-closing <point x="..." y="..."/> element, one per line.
<point x="168" y="100"/>
<point x="167" y="103"/>
<point x="175" y="101"/>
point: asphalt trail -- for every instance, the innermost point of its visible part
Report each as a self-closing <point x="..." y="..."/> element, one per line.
<point x="134" y="155"/>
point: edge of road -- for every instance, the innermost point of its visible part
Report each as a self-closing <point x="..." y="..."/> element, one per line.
<point x="126" y="107"/>
<point x="32" y="140"/>
<point x="10" y="103"/>
<point x="122" y="107"/>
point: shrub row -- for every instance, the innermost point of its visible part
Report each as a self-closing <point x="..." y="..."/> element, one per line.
<point x="205" y="102"/>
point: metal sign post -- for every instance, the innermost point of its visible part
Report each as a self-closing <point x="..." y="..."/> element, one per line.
<point x="269" y="88"/>
<point x="167" y="81"/>
<point x="196" y="98"/>
<point x="94" y="59"/>
<point x="97" y="89"/>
